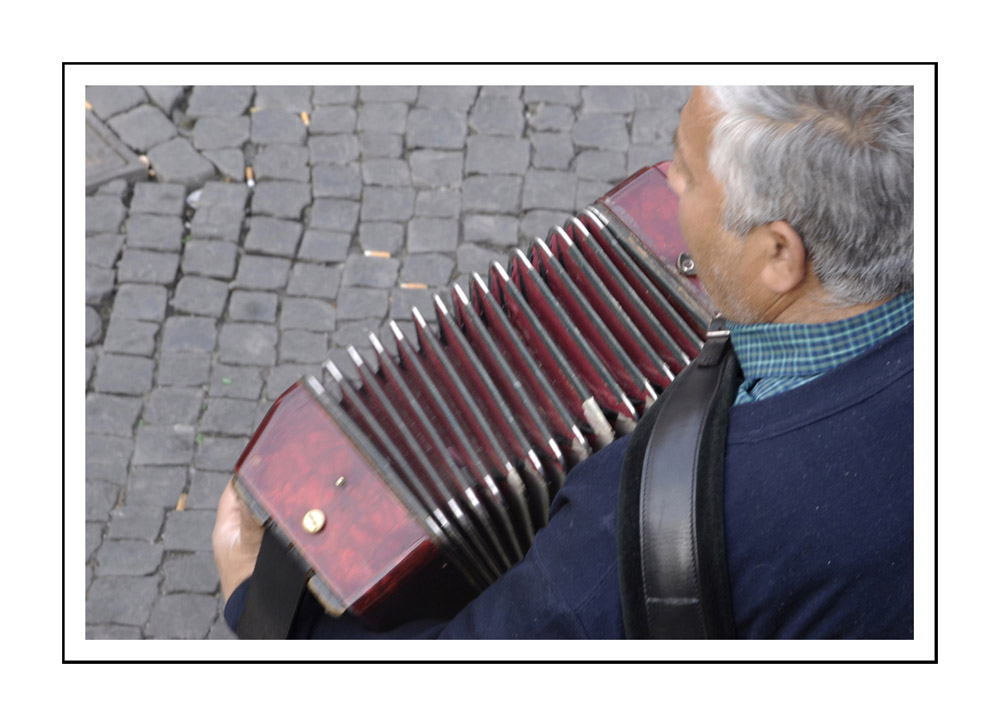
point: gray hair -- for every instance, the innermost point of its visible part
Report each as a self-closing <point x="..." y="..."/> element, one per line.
<point x="836" y="163"/>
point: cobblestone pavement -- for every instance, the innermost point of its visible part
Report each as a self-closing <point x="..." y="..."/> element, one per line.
<point x="207" y="296"/>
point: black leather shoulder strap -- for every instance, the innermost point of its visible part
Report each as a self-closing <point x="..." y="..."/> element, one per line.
<point x="671" y="540"/>
<point x="276" y="588"/>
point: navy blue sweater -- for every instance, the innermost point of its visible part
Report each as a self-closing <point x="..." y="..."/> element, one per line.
<point x="818" y="518"/>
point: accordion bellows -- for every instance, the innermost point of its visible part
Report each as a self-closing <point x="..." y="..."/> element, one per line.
<point x="409" y="485"/>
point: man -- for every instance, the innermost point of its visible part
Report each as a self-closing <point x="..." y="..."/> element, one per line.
<point x="796" y="205"/>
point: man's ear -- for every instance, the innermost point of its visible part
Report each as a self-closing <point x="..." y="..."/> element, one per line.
<point x="784" y="257"/>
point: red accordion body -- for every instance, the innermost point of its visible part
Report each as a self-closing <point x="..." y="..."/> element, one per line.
<point x="409" y="488"/>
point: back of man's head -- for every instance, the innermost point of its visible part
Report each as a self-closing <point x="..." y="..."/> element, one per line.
<point x="836" y="163"/>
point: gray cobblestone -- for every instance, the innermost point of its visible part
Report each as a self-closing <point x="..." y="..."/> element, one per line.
<point x="177" y="161"/>
<point x="588" y="192"/>
<point x="163" y="444"/>
<point x="381" y="236"/>
<point x="536" y="223"/>
<point x="230" y="162"/>
<point x="334" y="149"/>
<point x="326" y="95"/>
<point x="333" y="120"/>
<point x="254" y="307"/>
<point x="213" y="133"/>
<point x="206" y="488"/>
<point x="425" y="234"/>
<point x="605" y="166"/>
<point x="569" y="95"/>
<point x="307" y="314"/>
<point x="183" y="615"/>
<point x="381" y="145"/>
<point x="549" y="190"/>
<point x="114" y="188"/>
<point x="136" y="521"/>
<point x="114" y="415"/>
<point x="209" y="258"/>
<point x="110" y="100"/>
<point x="281" y="199"/>
<point x="284" y="98"/>
<point x="103" y="249"/>
<point x="355" y="333"/>
<point x="190" y="531"/>
<point x="386" y="172"/>
<point x="389" y="117"/>
<point x="190" y="573"/>
<point x="113" y="632"/>
<point x="100" y="497"/>
<point x="476" y="258"/>
<point x="337" y="181"/>
<point x="281" y="161"/>
<point x="262" y="273"/>
<point x="121" y="600"/>
<point x="189" y="333"/>
<point x="361" y="271"/>
<point x="494" y="228"/>
<point x="173" y="406"/>
<point x="157" y="198"/>
<point x="153" y="232"/>
<point x="438" y="203"/>
<point x="130" y="337"/>
<point x="314" y="281"/>
<point x="498" y="194"/>
<point x="402" y="303"/>
<point x="94" y="537"/>
<point x="159" y="486"/>
<point x="641" y="156"/>
<point x="337" y="215"/>
<point x="147" y="266"/>
<point x="183" y="368"/>
<point x="405" y="94"/>
<point x="132" y="557"/>
<point x="435" y="128"/>
<point x="107" y="457"/>
<point x="94" y="328"/>
<point x="601" y="131"/>
<point x="273" y="236"/>
<point x="222" y="221"/>
<point x="436" y="168"/>
<point x="219" y="100"/>
<point x="501" y="115"/>
<point x="551" y="117"/>
<point x="276" y="127"/>
<point x="104" y="214"/>
<point x="200" y="296"/>
<point x="388" y="204"/>
<point x="497" y="155"/>
<point x="356" y="303"/>
<point x="324" y="246"/>
<point x="215" y="194"/>
<point x="458" y="98"/>
<point x="281" y="377"/>
<point x="551" y="150"/>
<point x="433" y="270"/>
<point x="100" y="284"/>
<point x="143" y="127"/>
<point x="231" y="416"/>
<point x="608" y="99"/>
<point x="236" y="382"/>
<point x="248" y="344"/>
<point x="302" y="346"/>
<point x="125" y="374"/>
<point x="216" y="453"/>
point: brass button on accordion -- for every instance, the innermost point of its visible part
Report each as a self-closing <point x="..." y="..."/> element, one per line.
<point x="410" y="485"/>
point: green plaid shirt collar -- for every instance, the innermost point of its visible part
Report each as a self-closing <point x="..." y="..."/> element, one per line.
<point x="777" y="357"/>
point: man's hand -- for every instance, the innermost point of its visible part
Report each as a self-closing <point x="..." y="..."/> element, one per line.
<point x="235" y="541"/>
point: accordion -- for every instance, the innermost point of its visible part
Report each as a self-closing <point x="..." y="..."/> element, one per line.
<point x="408" y="486"/>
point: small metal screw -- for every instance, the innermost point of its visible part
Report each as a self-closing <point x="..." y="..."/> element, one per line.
<point x="314" y="521"/>
<point x="686" y="265"/>
<point x="339" y="482"/>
